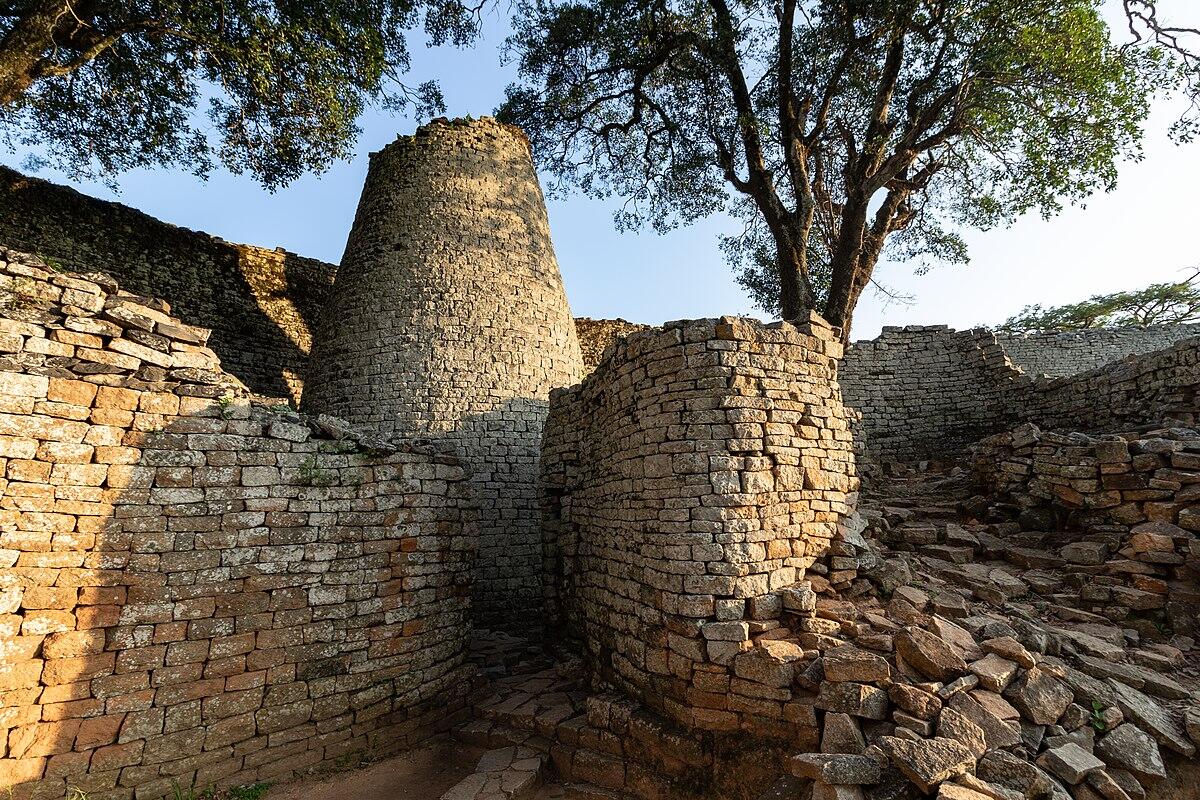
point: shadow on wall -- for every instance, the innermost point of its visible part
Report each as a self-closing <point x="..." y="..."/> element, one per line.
<point x="200" y="592"/>
<point x="449" y="319"/>
<point x="260" y="304"/>
<point x="507" y="592"/>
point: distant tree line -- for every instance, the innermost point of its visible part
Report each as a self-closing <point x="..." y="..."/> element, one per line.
<point x="1157" y="304"/>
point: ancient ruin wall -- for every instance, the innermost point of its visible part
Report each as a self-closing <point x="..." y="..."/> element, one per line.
<point x="449" y="318"/>
<point x="1072" y="352"/>
<point x="1129" y="504"/>
<point x="1144" y="388"/>
<point x="195" y="591"/>
<point x="699" y="470"/>
<point x="260" y="304"/>
<point x="597" y="335"/>
<point x="927" y="392"/>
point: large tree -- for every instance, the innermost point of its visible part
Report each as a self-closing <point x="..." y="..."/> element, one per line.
<point x="831" y="127"/>
<point x="269" y="87"/>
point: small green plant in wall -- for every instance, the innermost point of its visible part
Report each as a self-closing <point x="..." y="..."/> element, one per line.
<point x="1097" y="718"/>
<point x="314" y="474"/>
<point x="225" y="404"/>
<point x="254" y="791"/>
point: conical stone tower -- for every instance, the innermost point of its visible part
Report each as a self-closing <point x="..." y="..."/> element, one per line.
<point x="448" y="319"/>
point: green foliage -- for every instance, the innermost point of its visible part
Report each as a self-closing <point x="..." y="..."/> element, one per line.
<point x="254" y="791"/>
<point x="837" y="132"/>
<point x="312" y="473"/>
<point x="1157" y="304"/>
<point x="1097" y="717"/>
<point x="266" y="87"/>
<point x="225" y="404"/>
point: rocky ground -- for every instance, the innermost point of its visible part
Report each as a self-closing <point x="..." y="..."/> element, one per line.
<point x="947" y="656"/>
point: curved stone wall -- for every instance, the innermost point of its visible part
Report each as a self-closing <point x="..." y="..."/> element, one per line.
<point x="259" y="303"/>
<point x="194" y="590"/>
<point x="449" y="317"/>
<point x="1072" y="352"/>
<point x="929" y="391"/>
<point x="697" y="473"/>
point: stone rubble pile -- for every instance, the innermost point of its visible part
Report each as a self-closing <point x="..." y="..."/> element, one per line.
<point x="1127" y="508"/>
<point x="942" y="670"/>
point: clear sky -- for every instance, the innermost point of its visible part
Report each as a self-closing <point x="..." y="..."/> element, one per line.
<point x="1144" y="231"/>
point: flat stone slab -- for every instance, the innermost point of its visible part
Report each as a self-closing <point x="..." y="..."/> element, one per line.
<point x="927" y="762"/>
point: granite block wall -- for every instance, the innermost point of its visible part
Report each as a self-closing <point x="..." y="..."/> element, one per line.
<point x="1128" y="506"/>
<point x="596" y="335"/>
<point x="1071" y="352"/>
<point x="449" y="319"/>
<point x="690" y="481"/>
<point x="929" y="391"/>
<point x="261" y="304"/>
<point x="195" y="590"/>
<point x="1150" y="387"/>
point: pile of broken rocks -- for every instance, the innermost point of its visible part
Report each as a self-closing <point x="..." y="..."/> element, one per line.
<point x="973" y="681"/>
<point x="977" y="711"/>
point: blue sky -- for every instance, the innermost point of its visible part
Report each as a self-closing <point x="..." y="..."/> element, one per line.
<point x="1144" y="231"/>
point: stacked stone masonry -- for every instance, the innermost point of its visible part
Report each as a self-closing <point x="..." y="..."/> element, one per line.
<point x="195" y="590"/>
<point x="260" y="304"/>
<point x="449" y="318"/>
<point x="930" y="392"/>
<point x="1071" y="352"/>
<point x="1127" y="505"/>
<point x="690" y="482"/>
<point x="597" y="335"/>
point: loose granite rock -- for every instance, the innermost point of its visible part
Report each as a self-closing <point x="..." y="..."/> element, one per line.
<point x="852" y="664"/>
<point x="997" y="732"/>
<point x="953" y="724"/>
<point x="836" y="768"/>
<point x="1151" y="718"/>
<point x="856" y="699"/>
<point x="841" y="734"/>
<point x="1130" y="748"/>
<point x="931" y="656"/>
<point x="927" y="762"/>
<point x="1070" y="762"/>
<point x="1039" y="697"/>
<point x="918" y="702"/>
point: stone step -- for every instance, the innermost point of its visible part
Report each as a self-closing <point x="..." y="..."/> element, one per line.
<point x="505" y="773"/>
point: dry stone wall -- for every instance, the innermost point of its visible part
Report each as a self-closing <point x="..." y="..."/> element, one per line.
<point x="1128" y="505"/>
<point x="194" y="590"/>
<point x="1150" y="387"/>
<point x="1071" y="352"/>
<point x="597" y="335"/>
<point x="260" y="304"/>
<point x="690" y="482"/>
<point x="449" y="318"/>
<point x="929" y="392"/>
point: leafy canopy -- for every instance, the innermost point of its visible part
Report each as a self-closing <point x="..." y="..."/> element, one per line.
<point x="831" y="128"/>
<point x="1156" y="304"/>
<point x="267" y="87"/>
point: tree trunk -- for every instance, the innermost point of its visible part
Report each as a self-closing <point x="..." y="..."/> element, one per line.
<point x="792" y="300"/>
<point x="795" y="293"/>
<point x="24" y="48"/>
<point x="844" y="266"/>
